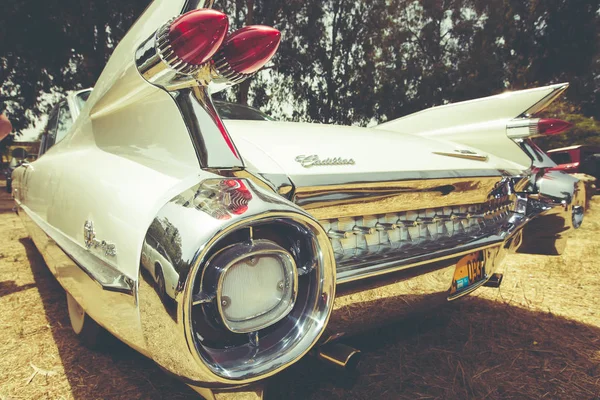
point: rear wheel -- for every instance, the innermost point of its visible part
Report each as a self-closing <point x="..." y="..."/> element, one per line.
<point x="87" y="330"/>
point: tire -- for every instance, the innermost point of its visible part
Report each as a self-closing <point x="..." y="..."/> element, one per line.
<point x="161" y="285"/>
<point x="87" y="330"/>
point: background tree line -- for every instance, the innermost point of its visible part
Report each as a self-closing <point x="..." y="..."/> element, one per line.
<point x="340" y="61"/>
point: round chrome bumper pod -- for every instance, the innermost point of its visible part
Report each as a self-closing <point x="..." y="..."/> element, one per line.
<point x="205" y="242"/>
<point x="555" y="210"/>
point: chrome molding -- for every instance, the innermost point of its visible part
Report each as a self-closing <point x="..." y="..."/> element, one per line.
<point x="538" y="157"/>
<point x="543" y="103"/>
<point x="188" y="86"/>
<point x="391" y="196"/>
<point x="191" y="228"/>
<point x="195" y="4"/>
<point x="107" y="276"/>
<point x="315" y="161"/>
<point x="213" y="145"/>
<point x="360" y="242"/>
<point x="466" y="154"/>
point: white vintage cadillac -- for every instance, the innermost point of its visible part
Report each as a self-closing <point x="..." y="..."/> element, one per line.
<point x="225" y="246"/>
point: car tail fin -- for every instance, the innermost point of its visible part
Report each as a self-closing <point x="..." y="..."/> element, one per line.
<point x="502" y="107"/>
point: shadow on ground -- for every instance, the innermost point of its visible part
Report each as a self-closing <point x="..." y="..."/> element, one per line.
<point x="116" y="372"/>
<point x="474" y="348"/>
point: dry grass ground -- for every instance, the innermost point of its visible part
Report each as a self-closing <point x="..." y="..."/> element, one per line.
<point x="538" y="336"/>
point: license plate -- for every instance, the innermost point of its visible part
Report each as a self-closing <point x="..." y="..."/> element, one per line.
<point x="469" y="270"/>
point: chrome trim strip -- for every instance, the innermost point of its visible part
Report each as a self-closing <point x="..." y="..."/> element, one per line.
<point x="391" y="196"/>
<point x="342" y="180"/>
<point x="194" y="4"/>
<point x="544" y="102"/>
<point x="101" y="272"/>
<point x="207" y="131"/>
<point x="397" y="236"/>
<point x="468" y="156"/>
<point x="423" y="259"/>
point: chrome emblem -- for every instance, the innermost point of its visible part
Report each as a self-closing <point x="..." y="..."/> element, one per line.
<point x="314" y="160"/>
<point x="89" y="238"/>
<point x="464" y="153"/>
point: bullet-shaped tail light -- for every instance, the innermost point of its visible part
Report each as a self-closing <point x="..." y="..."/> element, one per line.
<point x="190" y="40"/>
<point x="551" y="126"/>
<point x="521" y="128"/>
<point x="246" y="51"/>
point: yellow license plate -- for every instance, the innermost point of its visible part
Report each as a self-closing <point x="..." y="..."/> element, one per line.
<point x="469" y="270"/>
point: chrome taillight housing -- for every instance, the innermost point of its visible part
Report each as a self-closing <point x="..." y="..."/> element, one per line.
<point x="255" y="289"/>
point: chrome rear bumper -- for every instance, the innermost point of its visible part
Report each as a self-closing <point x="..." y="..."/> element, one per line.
<point x="412" y="289"/>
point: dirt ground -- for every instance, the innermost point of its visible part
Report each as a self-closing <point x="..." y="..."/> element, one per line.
<point x="538" y="336"/>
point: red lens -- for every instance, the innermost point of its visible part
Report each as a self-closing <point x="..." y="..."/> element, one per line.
<point x="551" y="126"/>
<point x="247" y="50"/>
<point x="195" y="36"/>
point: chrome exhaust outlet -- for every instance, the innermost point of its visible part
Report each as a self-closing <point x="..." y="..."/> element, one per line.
<point x="340" y="356"/>
<point x="495" y="281"/>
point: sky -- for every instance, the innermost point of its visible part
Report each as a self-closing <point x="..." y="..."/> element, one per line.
<point x="32" y="133"/>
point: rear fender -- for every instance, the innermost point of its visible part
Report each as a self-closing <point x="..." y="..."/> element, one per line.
<point x="481" y="123"/>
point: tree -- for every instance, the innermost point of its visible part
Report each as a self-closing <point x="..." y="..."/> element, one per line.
<point x="340" y="61"/>
<point x="55" y="46"/>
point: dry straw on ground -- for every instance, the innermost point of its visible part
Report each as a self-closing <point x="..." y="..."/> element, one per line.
<point x="538" y="336"/>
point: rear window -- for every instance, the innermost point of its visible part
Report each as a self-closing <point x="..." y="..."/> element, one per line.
<point x="81" y="98"/>
<point x="237" y="111"/>
<point x="561" y="158"/>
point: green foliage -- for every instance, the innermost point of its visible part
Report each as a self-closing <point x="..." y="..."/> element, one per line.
<point x="55" y="45"/>
<point x="340" y="61"/>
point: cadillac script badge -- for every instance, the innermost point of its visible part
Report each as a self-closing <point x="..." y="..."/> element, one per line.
<point x="314" y="160"/>
<point x="89" y="238"/>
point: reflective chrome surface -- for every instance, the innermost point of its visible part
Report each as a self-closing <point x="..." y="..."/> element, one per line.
<point x="542" y="104"/>
<point x="314" y="160"/>
<point x="381" y="197"/>
<point x="556" y="208"/>
<point x="339" y="355"/>
<point x="462" y="153"/>
<point x="201" y="349"/>
<point x="402" y="293"/>
<point x="89" y="235"/>
<point x="214" y="147"/>
<point x="385" y="238"/>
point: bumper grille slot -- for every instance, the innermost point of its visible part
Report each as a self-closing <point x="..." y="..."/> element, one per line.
<point x="370" y="239"/>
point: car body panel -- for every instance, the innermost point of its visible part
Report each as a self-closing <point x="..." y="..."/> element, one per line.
<point x="372" y="150"/>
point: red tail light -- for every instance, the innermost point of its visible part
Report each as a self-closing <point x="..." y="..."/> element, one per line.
<point x="551" y="126"/>
<point x="248" y="49"/>
<point x="195" y="36"/>
<point x="237" y="195"/>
